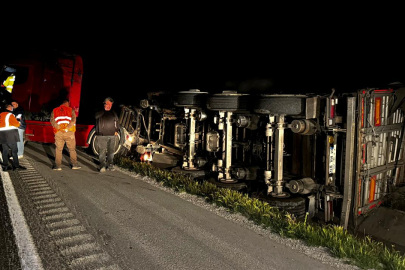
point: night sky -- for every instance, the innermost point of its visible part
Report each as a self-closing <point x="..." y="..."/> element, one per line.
<point x="249" y="68"/>
<point x="245" y="59"/>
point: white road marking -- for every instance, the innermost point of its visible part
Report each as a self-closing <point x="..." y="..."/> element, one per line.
<point x="27" y="250"/>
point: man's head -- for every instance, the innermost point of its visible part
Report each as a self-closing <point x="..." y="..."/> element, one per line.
<point x="14" y="104"/>
<point x="65" y="102"/>
<point x="9" y="107"/>
<point x="108" y="102"/>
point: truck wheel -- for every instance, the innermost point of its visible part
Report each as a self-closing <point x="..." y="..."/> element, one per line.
<point x="94" y="145"/>
<point x="280" y="104"/>
<point x="294" y="205"/>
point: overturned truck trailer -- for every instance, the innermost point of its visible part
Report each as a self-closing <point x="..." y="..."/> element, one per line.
<point x="333" y="156"/>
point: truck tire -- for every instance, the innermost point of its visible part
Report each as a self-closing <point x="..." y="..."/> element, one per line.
<point x="280" y="104"/>
<point x="295" y="205"/>
<point x="118" y="144"/>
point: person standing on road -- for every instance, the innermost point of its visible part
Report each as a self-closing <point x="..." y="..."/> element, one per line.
<point x="9" y="138"/>
<point x="107" y="127"/>
<point x="19" y="114"/>
<point x="63" y="120"/>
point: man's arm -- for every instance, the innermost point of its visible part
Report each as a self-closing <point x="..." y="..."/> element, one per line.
<point x="117" y="124"/>
<point x="73" y="121"/>
<point x="13" y="121"/>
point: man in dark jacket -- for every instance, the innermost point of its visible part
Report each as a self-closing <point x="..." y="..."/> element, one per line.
<point x="19" y="114"/>
<point x="107" y="127"/>
<point x="9" y="138"/>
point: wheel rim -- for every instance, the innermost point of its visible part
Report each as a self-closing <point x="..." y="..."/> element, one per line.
<point x="117" y="145"/>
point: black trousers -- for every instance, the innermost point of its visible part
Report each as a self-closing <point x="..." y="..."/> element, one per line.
<point x="14" y="153"/>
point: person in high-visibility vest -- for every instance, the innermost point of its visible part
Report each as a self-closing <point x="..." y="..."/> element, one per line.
<point x="9" y="138"/>
<point x="63" y="120"/>
<point x="18" y="111"/>
<point x="9" y="83"/>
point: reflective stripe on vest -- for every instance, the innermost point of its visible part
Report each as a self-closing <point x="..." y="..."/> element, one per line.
<point x="63" y="117"/>
<point x="63" y="120"/>
<point x="7" y="123"/>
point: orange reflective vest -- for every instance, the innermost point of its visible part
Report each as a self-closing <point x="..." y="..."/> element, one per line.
<point x="8" y="121"/>
<point x="63" y="117"/>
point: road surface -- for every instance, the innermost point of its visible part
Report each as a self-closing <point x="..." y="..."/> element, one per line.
<point x="82" y="219"/>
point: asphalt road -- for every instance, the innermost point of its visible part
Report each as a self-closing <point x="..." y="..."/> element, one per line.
<point x="82" y="219"/>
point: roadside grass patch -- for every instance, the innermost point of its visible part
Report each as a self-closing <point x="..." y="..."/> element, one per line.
<point x="365" y="253"/>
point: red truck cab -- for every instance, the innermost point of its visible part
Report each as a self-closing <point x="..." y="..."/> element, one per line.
<point x="42" y="82"/>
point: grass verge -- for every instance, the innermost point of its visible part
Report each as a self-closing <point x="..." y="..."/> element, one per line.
<point x="365" y="253"/>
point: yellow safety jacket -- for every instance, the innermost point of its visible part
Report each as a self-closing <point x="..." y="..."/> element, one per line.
<point x="9" y="83"/>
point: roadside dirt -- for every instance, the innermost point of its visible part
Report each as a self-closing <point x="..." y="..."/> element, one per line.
<point x="397" y="199"/>
<point x="387" y="222"/>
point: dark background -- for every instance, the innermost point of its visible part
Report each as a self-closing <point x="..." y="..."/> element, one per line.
<point x="248" y="56"/>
